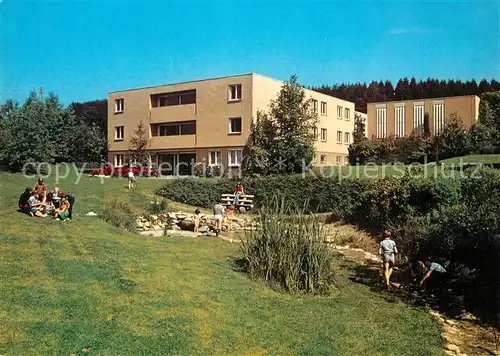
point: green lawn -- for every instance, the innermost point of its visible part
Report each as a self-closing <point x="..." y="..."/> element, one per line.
<point x="83" y="287"/>
<point x="473" y="159"/>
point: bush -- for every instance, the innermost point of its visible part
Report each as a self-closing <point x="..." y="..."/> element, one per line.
<point x="119" y="213"/>
<point x="289" y="251"/>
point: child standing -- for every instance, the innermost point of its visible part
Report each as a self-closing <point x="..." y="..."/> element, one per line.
<point x="229" y="217"/>
<point x="196" y="220"/>
<point x="388" y="251"/>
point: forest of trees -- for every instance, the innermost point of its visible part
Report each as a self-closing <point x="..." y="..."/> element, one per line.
<point x="361" y="93"/>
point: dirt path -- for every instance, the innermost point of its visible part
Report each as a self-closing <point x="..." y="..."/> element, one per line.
<point x="463" y="336"/>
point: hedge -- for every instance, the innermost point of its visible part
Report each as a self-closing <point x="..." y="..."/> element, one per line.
<point x="454" y="219"/>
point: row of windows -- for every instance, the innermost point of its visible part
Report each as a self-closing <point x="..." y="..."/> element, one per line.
<point x="400" y="120"/>
<point x="234" y="158"/>
<point x="324" y="136"/>
<point x="179" y="128"/>
<point x="234" y="93"/>
<point x="323" y="159"/>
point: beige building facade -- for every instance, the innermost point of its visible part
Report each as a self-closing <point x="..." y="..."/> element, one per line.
<point x="406" y="118"/>
<point x="208" y="121"/>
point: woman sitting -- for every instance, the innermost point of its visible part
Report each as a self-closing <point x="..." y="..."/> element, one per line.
<point x="62" y="213"/>
<point x="36" y="207"/>
<point x="23" y="201"/>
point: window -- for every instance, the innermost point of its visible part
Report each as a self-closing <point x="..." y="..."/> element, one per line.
<point x="323" y="108"/>
<point x="339" y="136"/>
<point x="322" y="159"/>
<point x="174" y="129"/>
<point x="235" y="92"/>
<point x="235" y="125"/>
<point x="438" y="115"/>
<point x="175" y="98"/>
<point x="381" y="122"/>
<point x="118" y="160"/>
<point x="323" y="135"/>
<point x="119" y="132"/>
<point x="235" y="157"/>
<point x="347" y="114"/>
<point x="315" y="133"/>
<point x="338" y="159"/>
<point x="399" y="117"/>
<point x="315" y="106"/>
<point x="119" y="104"/>
<point x="339" y="112"/>
<point x="347" y="138"/>
<point x="346" y="159"/>
<point x="215" y="158"/>
<point x="418" y="118"/>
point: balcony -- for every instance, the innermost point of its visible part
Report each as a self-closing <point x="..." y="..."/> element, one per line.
<point x="172" y="142"/>
<point x="161" y="114"/>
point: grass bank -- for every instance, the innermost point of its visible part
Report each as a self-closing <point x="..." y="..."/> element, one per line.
<point x="84" y="287"/>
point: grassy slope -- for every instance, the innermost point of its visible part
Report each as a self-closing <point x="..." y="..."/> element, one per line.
<point x="72" y="287"/>
<point x="487" y="159"/>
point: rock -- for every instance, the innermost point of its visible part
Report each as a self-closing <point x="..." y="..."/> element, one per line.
<point x="157" y="227"/>
<point x="147" y="224"/>
<point x="180" y="216"/>
<point x="450" y="322"/>
<point x="203" y="229"/>
<point x="186" y="225"/>
<point x="154" y="217"/>
<point x="175" y="227"/>
<point x="139" y="224"/>
<point x="452" y="347"/>
<point x="467" y="316"/>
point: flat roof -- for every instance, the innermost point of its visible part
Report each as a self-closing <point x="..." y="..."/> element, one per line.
<point x="431" y="98"/>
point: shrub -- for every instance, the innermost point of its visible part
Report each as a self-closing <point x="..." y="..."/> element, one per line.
<point x="289" y="251"/>
<point x="120" y="214"/>
<point x="157" y="206"/>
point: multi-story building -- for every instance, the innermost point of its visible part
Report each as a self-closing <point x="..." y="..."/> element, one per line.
<point x="404" y="118"/>
<point x="209" y="121"/>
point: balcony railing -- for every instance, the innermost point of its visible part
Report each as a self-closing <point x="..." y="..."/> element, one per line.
<point x="172" y="113"/>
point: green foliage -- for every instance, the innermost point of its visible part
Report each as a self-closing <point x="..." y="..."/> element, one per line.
<point x="454" y="140"/>
<point x="359" y="133"/>
<point x="389" y="150"/>
<point x="139" y="143"/>
<point x="288" y="250"/>
<point x="44" y="131"/>
<point x="282" y="140"/>
<point x="119" y="213"/>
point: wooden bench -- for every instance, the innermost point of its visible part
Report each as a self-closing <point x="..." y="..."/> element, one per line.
<point x="246" y="201"/>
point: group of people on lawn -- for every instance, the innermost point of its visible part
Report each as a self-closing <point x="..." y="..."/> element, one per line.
<point x="38" y="201"/>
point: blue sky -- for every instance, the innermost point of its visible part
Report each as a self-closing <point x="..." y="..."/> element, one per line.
<point x="83" y="50"/>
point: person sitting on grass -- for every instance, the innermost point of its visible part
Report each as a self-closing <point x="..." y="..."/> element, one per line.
<point x="63" y="212"/>
<point x="56" y="196"/>
<point x="23" y="201"/>
<point x="429" y="267"/>
<point x="36" y="207"/>
<point x="41" y="189"/>
<point x="388" y="251"/>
